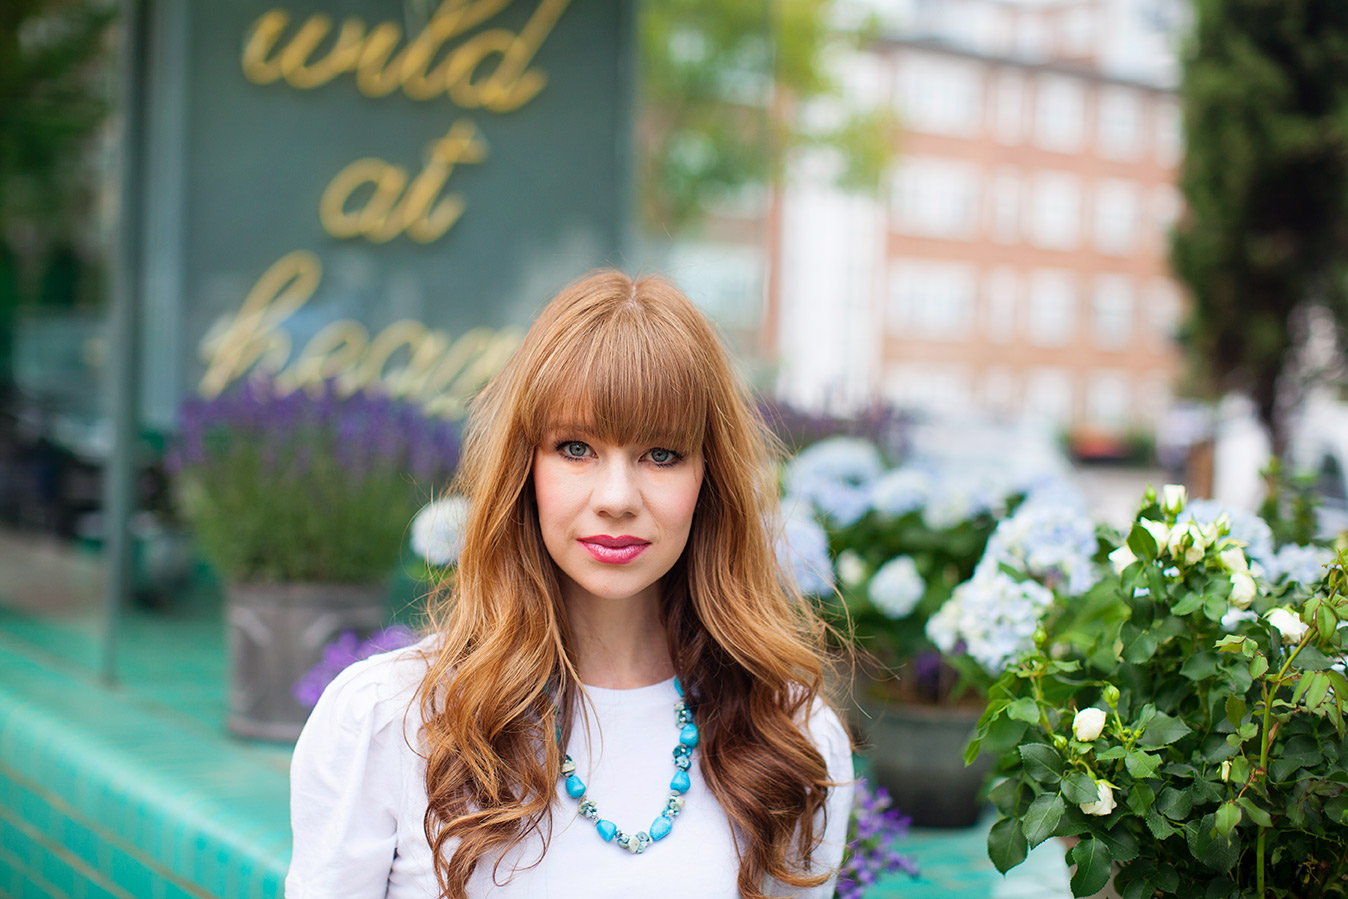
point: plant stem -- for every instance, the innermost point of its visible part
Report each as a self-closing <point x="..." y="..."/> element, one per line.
<point x="1266" y="738"/>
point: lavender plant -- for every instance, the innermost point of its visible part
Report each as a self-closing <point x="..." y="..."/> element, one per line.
<point x="346" y="650"/>
<point x="305" y="486"/>
<point x="873" y="829"/>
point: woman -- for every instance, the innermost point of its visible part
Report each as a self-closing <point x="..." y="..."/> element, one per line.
<point x="621" y="693"/>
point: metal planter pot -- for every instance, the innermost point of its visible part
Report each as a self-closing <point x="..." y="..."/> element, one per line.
<point x="917" y="753"/>
<point x="277" y="632"/>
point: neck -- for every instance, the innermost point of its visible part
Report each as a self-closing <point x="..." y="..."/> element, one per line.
<point x="618" y="644"/>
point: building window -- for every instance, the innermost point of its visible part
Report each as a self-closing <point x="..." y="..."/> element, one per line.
<point x="1055" y="212"/>
<point x="1120" y="123"/>
<point x="1008" y="111"/>
<point x="931" y="300"/>
<point x="939" y="388"/>
<point x="999" y="391"/>
<point x="723" y="279"/>
<point x="1048" y="395"/>
<point x="940" y="96"/>
<point x="1003" y="293"/>
<point x="1053" y="308"/>
<point x="1116" y="217"/>
<point x="1165" y="211"/>
<point x="1060" y="114"/>
<point x="1169" y="132"/>
<point x="1107" y="399"/>
<point x="1112" y="312"/>
<point x="1006" y="206"/>
<point x="936" y="198"/>
<point x="1163" y="313"/>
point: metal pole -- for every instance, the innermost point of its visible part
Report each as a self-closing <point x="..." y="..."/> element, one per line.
<point x="123" y="330"/>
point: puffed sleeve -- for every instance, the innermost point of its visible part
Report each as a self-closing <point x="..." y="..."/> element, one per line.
<point x="346" y="779"/>
<point x="834" y="745"/>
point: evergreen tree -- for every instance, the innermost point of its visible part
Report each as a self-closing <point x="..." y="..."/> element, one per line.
<point x="1265" y="176"/>
<point x="50" y="103"/>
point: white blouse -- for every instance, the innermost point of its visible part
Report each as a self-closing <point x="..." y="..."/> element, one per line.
<point x="358" y="801"/>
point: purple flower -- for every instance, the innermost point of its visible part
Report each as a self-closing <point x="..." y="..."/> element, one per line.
<point x="874" y="828"/>
<point x="343" y="652"/>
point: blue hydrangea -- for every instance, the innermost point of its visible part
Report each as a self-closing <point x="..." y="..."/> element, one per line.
<point x="1050" y="542"/>
<point x="1246" y="527"/>
<point x="901" y="491"/>
<point x="1301" y="564"/>
<point x="835" y="477"/>
<point x="802" y="549"/>
<point x="958" y="496"/>
<point x="991" y="618"/>
<point x="897" y="587"/>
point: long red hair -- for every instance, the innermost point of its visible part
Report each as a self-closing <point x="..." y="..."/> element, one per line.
<point x="638" y="363"/>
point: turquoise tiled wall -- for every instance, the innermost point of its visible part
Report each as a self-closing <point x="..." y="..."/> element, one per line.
<point x="100" y="798"/>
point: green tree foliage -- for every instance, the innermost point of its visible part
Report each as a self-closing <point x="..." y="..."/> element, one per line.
<point x="50" y="103"/>
<point x="1265" y="175"/>
<point x="723" y="81"/>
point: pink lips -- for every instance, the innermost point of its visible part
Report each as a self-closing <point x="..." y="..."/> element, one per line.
<point x="614" y="550"/>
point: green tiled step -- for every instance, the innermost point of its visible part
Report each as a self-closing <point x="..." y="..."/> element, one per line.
<point x="100" y="798"/>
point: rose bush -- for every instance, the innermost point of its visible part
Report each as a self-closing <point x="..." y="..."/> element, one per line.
<point x="1219" y="769"/>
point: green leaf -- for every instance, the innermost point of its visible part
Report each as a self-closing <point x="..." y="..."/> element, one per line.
<point x="1174" y="804"/>
<point x="1217" y="852"/>
<point x="1199" y="666"/>
<point x="1231" y="643"/>
<point x="1141" y="765"/>
<point x="1042" y="817"/>
<point x="1121" y="842"/>
<point x="1024" y="709"/>
<point x="1318" y="689"/>
<point x="1003" y="734"/>
<point x="1042" y="762"/>
<point x="1006" y="844"/>
<point x="1093" y="867"/>
<point x="1312" y="659"/>
<point x="1235" y="709"/>
<point x="1160" y="828"/>
<point x="1188" y="605"/>
<point x="1258" y="665"/>
<point x="1141" y="798"/>
<point x="1140" y="648"/>
<point x="1142" y="543"/>
<point x="1163" y="730"/>
<point x="1256" y="814"/>
<point x="1227" y="817"/>
<point x="1078" y="787"/>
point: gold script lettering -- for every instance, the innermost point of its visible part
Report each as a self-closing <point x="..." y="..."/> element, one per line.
<point x="440" y="375"/>
<point x="396" y="206"/>
<point x="369" y="53"/>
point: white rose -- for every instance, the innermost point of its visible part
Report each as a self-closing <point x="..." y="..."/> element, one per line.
<point x="1243" y="589"/>
<point x="851" y="568"/>
<point x="1233" y="559"/>
<point x="1159" y="531"/>
<point x="1188" y="542"/>
<point x="1088" y="724"/>
<point x="1121" y="558"/>
<point x="1288" y="623"/>
<point x="1173" y="497"/>
<point x="1103" y="805"/>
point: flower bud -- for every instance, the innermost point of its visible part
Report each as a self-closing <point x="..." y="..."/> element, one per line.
<point x="1288" y="623"/>
<point x="1088" y="724"/>
<point x="1111" y="696"/>
<point x="1233" y="559"/>
<point x="1243" y="589"/>
<point x="1172" y="498"/>
<point x="1226" y="770"/>
<point x="1121" y="558"/>
<point x="1059" y="742"/>
<point x="1159" y="531"/>
<point x="1102" y="805"/>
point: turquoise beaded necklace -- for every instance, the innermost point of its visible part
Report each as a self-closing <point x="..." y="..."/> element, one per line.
<point x="636" y="843"/>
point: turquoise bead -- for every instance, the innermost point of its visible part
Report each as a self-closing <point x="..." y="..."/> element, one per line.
<point x="688" y="736"/>
<point x="575" y="787"/>
<point x="606" y="830"/>
<point x="678" y="685"/>
<point x="680" y="783"/>
<point x="660" y="828"/>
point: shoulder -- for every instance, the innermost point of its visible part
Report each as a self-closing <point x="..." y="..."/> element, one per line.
<point x="830" y="737"/>
<point x="374" y="694"/>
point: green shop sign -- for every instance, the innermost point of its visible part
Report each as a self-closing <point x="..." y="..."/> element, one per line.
<point x="378" y="191"/>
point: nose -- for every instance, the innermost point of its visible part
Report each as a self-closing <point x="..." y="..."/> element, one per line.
<point x="616" y="492"/>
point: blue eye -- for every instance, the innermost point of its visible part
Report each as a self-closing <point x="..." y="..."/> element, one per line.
<point x="574" y="449"/>
<point x="661" y="456"/>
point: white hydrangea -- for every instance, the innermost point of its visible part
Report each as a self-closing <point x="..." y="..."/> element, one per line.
<point x="802" y="549"/>
<point x="835" y="476"/>
<point x="991" y="617"/>
<point x="1050" y="542"/>
<point x="902" y="490"/>
<point x="897" y="587"/>
<point x="1301" y="564"/>
<point x="437" y="530"/>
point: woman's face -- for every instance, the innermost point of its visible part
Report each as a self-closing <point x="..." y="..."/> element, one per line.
<point x="615" y="517"/>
